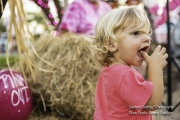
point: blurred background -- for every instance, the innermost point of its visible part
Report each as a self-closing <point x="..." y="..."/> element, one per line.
<point x="44" y="17"/>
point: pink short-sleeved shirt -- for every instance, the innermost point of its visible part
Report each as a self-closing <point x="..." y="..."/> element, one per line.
<point x="121" y="93"/>
<point x="81" y="16"/>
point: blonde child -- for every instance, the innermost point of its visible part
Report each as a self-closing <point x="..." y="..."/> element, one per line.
<point x="123" y="40"/>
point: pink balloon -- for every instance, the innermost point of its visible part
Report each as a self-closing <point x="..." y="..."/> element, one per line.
<point x="15" y="96"/>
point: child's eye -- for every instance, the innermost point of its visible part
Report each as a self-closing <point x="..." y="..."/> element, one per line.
<point x="136" y="33"/>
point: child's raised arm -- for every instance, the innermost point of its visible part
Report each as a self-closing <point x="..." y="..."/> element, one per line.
<point x="156" y="62"/>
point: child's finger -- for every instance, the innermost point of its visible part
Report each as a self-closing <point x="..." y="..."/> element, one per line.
<point x="158" y="48"/>
<point x="144" y="54"/>
<point x="166" y="55"/>
<point x="163" y="50"/>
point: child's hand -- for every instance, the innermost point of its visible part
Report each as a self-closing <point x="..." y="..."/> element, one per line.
<point x="157" y="58"/>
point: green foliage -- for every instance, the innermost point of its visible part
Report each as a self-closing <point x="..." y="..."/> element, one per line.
<point x="3" y="62"/>
<point x="2" y="27"/>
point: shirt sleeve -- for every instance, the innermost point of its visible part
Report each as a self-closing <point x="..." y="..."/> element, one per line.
<point x="71" y="18"/>
<point x="134" y="90"/>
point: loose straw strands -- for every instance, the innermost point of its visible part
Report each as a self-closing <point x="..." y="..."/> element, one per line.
<point x="2" y="7"/>
<point x="24" y="38"/>
<point x="23" y="35"/>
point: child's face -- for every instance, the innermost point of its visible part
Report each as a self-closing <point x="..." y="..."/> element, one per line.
<point x="129" y="47"/>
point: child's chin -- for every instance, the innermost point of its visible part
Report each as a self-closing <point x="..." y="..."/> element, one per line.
<point x="139" y="63"/>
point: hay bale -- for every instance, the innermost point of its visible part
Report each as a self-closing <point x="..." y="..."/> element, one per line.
<point x="69" y="89"/>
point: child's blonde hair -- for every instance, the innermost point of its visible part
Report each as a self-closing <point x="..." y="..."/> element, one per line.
<point x="110" y="28"/>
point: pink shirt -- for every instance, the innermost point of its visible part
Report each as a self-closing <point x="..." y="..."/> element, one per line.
<point x="81" y="16"/>
<point x="121" y="93"/>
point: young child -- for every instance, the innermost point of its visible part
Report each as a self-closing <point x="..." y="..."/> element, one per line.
<point x="123" y="40"/>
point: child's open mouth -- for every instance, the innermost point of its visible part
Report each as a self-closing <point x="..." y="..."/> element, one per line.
<point x="145" y="49"/>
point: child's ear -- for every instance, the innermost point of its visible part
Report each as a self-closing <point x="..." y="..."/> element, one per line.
<point x="112" y="46"/>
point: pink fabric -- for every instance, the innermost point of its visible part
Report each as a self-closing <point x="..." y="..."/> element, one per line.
<point x="120" y="88"/>
<point x="163" y="18"/>
<point x="81" y="16"/>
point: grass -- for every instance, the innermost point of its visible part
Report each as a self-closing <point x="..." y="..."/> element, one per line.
<point x="3" y="62"/>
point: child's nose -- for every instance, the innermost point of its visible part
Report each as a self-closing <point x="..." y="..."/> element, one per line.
<point x="146" y="39"/>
